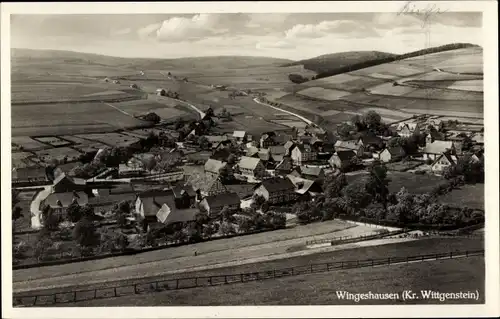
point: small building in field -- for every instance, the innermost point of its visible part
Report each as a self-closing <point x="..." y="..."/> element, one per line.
<point x="276" y="190"/>
<point x="134" y="86"/>
<point x="392" y="154"/>
<point x="436" y="148"/>
<point x="116" y="82"/>
<point x="303" y="153"/>
<point x="161" y="92"/>
<point x="371" y="142"/>
<point x="342" y="159"/>
<point x="251" y="167"/>
<point x="442" y="162"/>
<point x="213" y="205"/>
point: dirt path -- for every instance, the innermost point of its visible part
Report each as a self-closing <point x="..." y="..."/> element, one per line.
<point x="284" y="111"/>
<point x="35" y="207"/>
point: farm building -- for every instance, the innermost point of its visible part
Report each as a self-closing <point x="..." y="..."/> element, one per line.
<point x="252" y="151"/>
<point x="216" y="140"/>
<point x="371" y="141"/>
<point x="289" y="147"/>
<point x="306" y="189"/>
<point x="276" y="190"/>
<point x="64" y="183"/>
<point x="436" y="148"/>
<point x="392" y="154"/>
<point x="206" y="185"/>
<point x="134" y="86"/>
<point x="59" y="202"/>
<point x="159" y="205"/>
<point x="342" y="159"/>
<point x="215" y="203"/>
<point x="251" y="167"/>
<point x="284" y="166"/>
<point x="185" y="195"/>
<point x="213" y="167"/>
<point x="359" y="149"/>
<point x="29" y="174"/>
<point x="116" y="82"/>
<point x="240" y="136"/>
<point x="221" y="155"/>
<point x="434" y="135"/>
<point x="264" y="155"/>
<point x="303" y="153"/>
<point x="267" y="140"/>
<point x="314" y="173"/>
<point x="161" y="92"/>
<point x="407" y="129"/>
<point x="442" y="162"/>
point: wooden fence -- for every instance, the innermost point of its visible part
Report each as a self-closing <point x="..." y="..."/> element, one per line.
<point x="72" y="296"/>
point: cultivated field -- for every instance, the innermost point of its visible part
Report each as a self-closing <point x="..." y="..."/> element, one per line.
<point x="28" y="144"/>
<point x="414" y="183"/>
<point x="59" y="154"/>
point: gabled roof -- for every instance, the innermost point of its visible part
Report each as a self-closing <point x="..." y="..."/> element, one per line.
<point x="64" y="177"/>
<point x="222" y="200"/>
<point x="214" y="166"/>
<point x="248" y="162"/>
<point x="153" y="200"/>
<point x="311" y="170"/>
<point x="63" y="200"/>
<point x="347" y="145"/>
<point x="396" y="151"/>
<point x="438" y="147"/>
<point x="251" y="151"/>
<point x="239" y="134"/>
<point x="452" y="159"/>
<point x="277" y="184"/>
<point x="344" y="155"/>
<point x="371" y="139"/>
<point x="289" y="144"/>
<point x="216" y="138"/>
<point x="264" y="154"/>
<point x="169" y="214"/>
<point x="220" y="155"/>
<point x="303" y="185"/>
<point x="304" y="148"/>
<point x="277" y="150"/>
<point x="179" y="190"/>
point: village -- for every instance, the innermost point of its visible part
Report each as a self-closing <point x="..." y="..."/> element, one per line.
<point x="181" y="183"/>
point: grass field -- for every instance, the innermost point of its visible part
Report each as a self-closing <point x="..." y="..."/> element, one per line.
<point x="352" y="252"/>
<point x="323" y="94"/>
<point x="471" y="196"/>
<point x="112" y="139"/>
<point x="321" y="289"/>
<point x="414" y="183"/>
<point x="28" y="144"/>
<point x="59" y="154"/>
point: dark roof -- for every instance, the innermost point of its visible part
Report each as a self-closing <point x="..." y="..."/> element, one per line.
<point x="277" y="184"/>
<point x="312" y="171"/>
<point x="371" y="139"/>
<point x="436" y="135"/>
<point x="282" y="138"/>
<point x="304" y="147"/>
<point x="221" y="154"/>
<point x="180" y="190"/>
<point x="153" y="200"/>
<point x="222" y="200"/>
<point x="277" y="150"/>
<point x="396" y="151"/>
<point x="345" y="155"/>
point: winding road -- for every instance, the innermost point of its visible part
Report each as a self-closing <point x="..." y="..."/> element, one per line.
<point x="256" y="100"/>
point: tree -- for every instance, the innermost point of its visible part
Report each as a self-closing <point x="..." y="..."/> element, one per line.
<point x="149" y="163"/>
<point x="42" y="246"/>
<point x="74" y="212"/>
<point x="17" y="213"/>
<point x="356" y="195"/>
<point x="244" y="224"/>
<point x="333" y="185"/>
<point x="113" y="241"/>
<point x="226" y="214"/>
<point x="85" y="234"/>
<point x="50" y="220"/>
<point x="258" y="200"/>
<point x="378" y="183"/>
<point x="297" y="78"/>
<point x="227" y="228"/>
<point x="344" y="130"/>
<point x="152" y="117"/>
<point x="203" y="142"/>
<point x="226" y="174"/>
<point x="372" y="119"/>
<point x="303" y="212"/>
<point x="358" y="123"/>
<point x="179" y="123"/>
<point x="209" y="112"/>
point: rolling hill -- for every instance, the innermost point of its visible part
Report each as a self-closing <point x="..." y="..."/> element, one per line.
<point x="329" y="62"/>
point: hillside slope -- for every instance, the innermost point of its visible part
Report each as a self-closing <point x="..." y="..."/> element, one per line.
<point x="330" y="62"/>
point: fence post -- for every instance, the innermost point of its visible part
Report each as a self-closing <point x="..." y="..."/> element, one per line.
<point x="466" y="253"/>
<point x="55" y="298"/>
<point x="177" y="284"/>
<point x="196" y="281"/>
<point x="225" y="279"/>
<point x="342" y="265"/>
<point x="451" y="254"/>
<point x="34" y="303"/>
<point x="74" y="296"/>
<point x="114" y="291"/>
<point x="95" y="293"/>
<point x="210" y="280"/>
<point x="274" y="273"/>
<point x="241" y="277"/>
<point x="389" y="260"/>
<point x="372" y="262"/>
<point x="311" y="268"/>
<point x="357" y="263"/>
<point x="293" y="273"/>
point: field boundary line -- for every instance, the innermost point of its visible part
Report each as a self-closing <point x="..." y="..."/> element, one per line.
<point x="72" y="296"/>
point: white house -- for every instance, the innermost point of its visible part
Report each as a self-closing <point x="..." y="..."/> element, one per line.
<point x="442" y="162"/>
<point x="436" y="148"/>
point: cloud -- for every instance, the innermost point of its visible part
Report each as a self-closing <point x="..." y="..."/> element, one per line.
<point x="341" y="28"/>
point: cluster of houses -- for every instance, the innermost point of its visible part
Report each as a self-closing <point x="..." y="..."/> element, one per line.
<point x="282" y="167"/>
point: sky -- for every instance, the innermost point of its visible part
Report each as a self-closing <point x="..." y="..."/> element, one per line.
<point x="292" y="36"/>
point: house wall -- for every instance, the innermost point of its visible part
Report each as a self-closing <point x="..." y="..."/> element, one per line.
<point x="385" y="156"/>
<point x="262" y="191"/>
<point x="139" y="208"/>
<point x="335" y="161"/>
<point x="216" y="210"/>
<point x="427" y="156"/>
